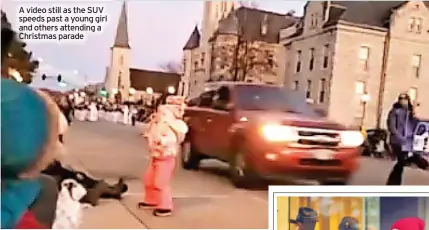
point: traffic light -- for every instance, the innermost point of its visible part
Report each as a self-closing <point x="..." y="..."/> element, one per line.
<point x="59" y="78"/>
<point x="103" y="92"/>
<point x="43" y="76"/>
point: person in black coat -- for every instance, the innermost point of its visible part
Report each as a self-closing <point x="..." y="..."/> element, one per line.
<point x="66" y="108"/>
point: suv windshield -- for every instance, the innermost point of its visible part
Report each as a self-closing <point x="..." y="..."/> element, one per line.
<point x="259" y="97"/>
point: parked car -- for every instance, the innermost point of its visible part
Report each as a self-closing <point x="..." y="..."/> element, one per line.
<point x="267" y="131"/>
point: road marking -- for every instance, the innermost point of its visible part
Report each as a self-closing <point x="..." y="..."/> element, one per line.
<point x="141" y="194"/>
<point x="253" y="197"/>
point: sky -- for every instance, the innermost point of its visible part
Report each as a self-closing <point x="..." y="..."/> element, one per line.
<point x="157" y="30"/>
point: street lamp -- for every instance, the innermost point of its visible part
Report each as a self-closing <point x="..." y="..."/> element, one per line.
<point x="364" y="98"/>
<point x="171" y="90"/>
<point x="115" y="91"/>
<point x="149" y="90"/>
<point x="132" y="91"/>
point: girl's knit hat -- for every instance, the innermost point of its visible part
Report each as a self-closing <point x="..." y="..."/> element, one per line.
<point x="29" y="130"/>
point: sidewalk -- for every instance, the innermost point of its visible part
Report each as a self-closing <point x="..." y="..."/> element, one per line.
<point x="110" y="214"/>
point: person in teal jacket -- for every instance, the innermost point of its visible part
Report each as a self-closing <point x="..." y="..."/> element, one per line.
<point x="28" y="135"/>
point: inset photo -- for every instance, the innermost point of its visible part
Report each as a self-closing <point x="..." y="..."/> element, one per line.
<point x="348" y="208"/>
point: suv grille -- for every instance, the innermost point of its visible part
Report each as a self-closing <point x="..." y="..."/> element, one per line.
<point x="318" y="137"/>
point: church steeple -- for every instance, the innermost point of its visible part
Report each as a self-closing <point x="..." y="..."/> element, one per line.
<point x="121" y="39"/>
<point x="194" y="40"/>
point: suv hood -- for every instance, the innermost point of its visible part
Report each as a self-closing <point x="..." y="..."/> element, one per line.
<point x="292" y="119"/>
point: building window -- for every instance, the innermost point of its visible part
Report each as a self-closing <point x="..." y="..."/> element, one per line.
<point x="412" y="92"/>
<point x="411" y="23"/>
<point x="313" y="20"/>
<point x="295" y="85"/>
<point x="419" y="27"/>
<point x="308" y="90"/>
<point x="364" y="57"/>
<point x="325" y="56"/>
<point x="184" y="65"/>
<point x="121" y="60"/>
<point x="298" y="63"/>
<point x="196" y="65"/>
<point x="203" y="58"/>
<point x="322" y="90"/>
<point x="270" y="60"/>
<point x="360" y="88"/>
<point x="417" y="61"/>
<point x="415" y="25"/>
<point x="311" y="58"/>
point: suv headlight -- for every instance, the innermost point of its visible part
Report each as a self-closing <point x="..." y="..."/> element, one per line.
<point x="351" y="138"/>
<point x="279" y="133"/>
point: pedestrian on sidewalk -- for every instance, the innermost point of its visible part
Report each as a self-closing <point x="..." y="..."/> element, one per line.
<point x="166" y="132"/>
<point x="401" y="123"/>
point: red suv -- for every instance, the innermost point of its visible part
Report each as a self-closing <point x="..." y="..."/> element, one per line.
<point x="267" y="131"/>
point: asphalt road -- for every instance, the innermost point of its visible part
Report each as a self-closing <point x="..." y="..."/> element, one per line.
<point x="203" y="199"/>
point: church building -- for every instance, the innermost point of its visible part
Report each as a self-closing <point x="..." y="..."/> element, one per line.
<point x="124" y="83"/>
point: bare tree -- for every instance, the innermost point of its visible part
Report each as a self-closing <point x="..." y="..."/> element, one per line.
<point x="243" y="59"/>
<point x="171" y="67"/>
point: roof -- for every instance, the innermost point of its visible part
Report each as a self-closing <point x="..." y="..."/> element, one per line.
<point x="249" y="22"/>
<point x="377" y="13"/>
<point x="158" y="81"/>
<point x="121" y="39"/>
<point x="194" y="40"/>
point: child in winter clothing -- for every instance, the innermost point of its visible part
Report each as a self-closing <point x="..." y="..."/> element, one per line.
<point x="166" y="132"/>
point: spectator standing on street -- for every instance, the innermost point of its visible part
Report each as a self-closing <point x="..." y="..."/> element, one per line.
<point x="401" y="122"/>
<point x="133" y="115"/>
<point x="28" y="138"/>
<point x="30" y="118"/>
<point x="66" y="108"/>
<point x="166" y="132"/>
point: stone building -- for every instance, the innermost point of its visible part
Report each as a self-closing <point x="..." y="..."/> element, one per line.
<point x="237" y="43"/>
<point x="125" y="83"/>
<point x="354" y="58"/>
<point x="196" y="64"/>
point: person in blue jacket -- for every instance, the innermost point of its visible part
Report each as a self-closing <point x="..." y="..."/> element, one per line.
<point x="401" y="123"/>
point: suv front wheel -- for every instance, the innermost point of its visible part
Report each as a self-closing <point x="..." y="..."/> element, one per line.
<point x="189" y="157"/>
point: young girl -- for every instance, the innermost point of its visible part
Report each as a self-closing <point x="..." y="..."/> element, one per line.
<point x="166" y="133"/>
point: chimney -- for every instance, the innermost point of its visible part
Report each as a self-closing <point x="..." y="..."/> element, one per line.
<point x="264" y="26"/>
